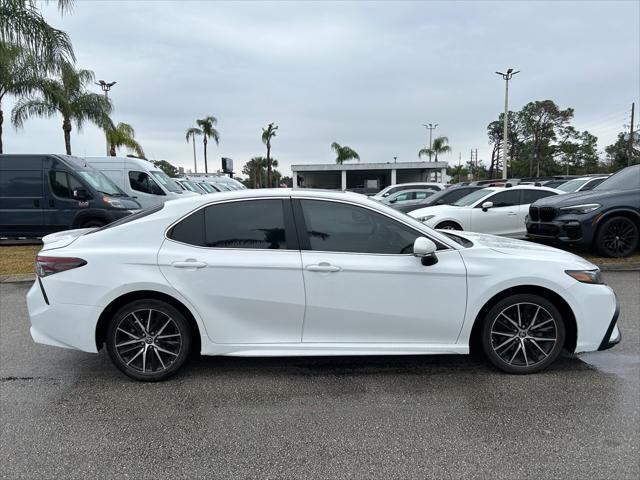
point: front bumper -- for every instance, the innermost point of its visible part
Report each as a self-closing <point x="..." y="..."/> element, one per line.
<point x="612" y="336"/>
<point x="565" y="231"/>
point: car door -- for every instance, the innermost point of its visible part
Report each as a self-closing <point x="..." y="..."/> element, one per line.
<point x="503" y="218"/>
<point x="238" y="263"/>
<point x="62" y="207"/>
<point x="146" y="190"/>
<point x="363" y="284"/>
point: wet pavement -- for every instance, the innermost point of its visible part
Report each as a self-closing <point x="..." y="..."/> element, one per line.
<point x="72" y="415"/>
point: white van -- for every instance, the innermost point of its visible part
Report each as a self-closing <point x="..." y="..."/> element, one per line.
<point x="140" y="179"/>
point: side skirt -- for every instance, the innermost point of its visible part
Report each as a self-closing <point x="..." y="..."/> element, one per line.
<point x="331" y="349"/>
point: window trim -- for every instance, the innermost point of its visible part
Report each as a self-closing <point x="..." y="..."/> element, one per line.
<point x="287" y="213"/>
<point x="305" y="242"/>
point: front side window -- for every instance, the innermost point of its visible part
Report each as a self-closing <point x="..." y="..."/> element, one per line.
<point x="507" y="198"/>
<point x="339" y="227"/>
<point x="530" y="196"/>
<point x="63" y="185"/>
<point x="142" y="182"/>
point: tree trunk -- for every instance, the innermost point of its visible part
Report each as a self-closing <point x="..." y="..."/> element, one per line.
<point x="66" y="128"/>
<point x="268" y="165"/>
<point x="206" y="168"/>
<point x="112" y="150"/>
<point x="1" y="120"/>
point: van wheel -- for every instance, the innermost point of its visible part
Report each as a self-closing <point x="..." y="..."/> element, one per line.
<point x="148" y="340"/>
<point x="94" y="223"/>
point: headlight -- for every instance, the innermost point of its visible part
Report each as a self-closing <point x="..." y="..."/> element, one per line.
<point x="586" y="276"/>
<point x="426" y="218"/>
<point x="113" y="202"/>
<point x="578" y="209"/>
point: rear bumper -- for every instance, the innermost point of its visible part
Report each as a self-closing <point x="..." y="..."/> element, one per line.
<point x="612" y="336"/>
<point x="61" y="324"/>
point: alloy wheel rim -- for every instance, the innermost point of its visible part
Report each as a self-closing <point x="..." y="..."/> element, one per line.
<point x="524" y="334"/>
<point x="148" y="341"/>
<point x="619" y="237"/>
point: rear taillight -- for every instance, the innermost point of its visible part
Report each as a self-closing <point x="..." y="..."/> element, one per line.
<point x="46" y="266"/>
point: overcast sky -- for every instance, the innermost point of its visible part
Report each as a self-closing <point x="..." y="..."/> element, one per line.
<point x="364" y="74"/>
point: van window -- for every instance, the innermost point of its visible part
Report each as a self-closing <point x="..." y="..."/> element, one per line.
<point x="142" y="182"/>
<point x="63" y="184"/>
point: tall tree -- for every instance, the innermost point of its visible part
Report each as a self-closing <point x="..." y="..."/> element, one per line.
<point x="256" y="171"/>
<point x="66" y="95"/>
<point x="439" y="146"/>
<point x="267" y="135"/>
<point x="22" y="24"/>
<point x="191" y="135"/>
<point x="208" y="130"/>
<point x="123" y="135"/>
<point x="167" y="168"/>
<point x="618" y="152"/>
<point x="344" y="153"/>
<point x="20" y="74"/>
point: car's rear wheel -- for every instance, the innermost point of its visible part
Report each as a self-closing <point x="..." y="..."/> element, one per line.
<point x="523" y="334"/>
<point x="148" y="340"/>
<point x="448" y="226"/>
<point x="617" y="237"/>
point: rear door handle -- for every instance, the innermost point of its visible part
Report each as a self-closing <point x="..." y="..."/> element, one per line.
<point x="323" y="267"/>
<point x="189" y="264"/>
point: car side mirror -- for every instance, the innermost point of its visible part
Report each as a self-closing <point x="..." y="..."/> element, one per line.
<point x="425" y="249"/>
<point x="486" y="206"/>
<point x="80" y="194"/>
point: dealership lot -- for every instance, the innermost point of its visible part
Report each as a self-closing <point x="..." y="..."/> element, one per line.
<point x="67" y="413"/>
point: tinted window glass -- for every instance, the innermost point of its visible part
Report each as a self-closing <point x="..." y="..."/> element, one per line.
<point x="530" y="196"/>
<point x="142" y="182"/>
<point x="190" y="230"/>
<point x="59" y="184"/>
<point x="504" y="199"/>
<point x="338" y="227"/>
<point x="248" y="224"/>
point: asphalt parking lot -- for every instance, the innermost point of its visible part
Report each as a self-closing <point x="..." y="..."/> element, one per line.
<point x="72" y="415"/>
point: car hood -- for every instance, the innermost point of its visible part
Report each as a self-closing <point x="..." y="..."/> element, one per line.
<point x="523" y="248"/>
<point x="576" y="198"/>
<point x="435" y="210"/>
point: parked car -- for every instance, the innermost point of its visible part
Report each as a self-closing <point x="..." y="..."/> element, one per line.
<point x="140" y="179"/>
<point x="304" y="272"/>
<point x="443" y="197"/>
<point x="188" y="185"/>
<point x="219" y="181"/>
<point x="555" y="183"/>
<point x="496" y="210"/>
<point x="605" y="219"/>
<point x="582" y="184"/>
<point x="399" y="198"/>
<point x="41" y="194"/>
<point x="385" y="192"/>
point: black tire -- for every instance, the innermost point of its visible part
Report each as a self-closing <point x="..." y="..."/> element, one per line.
<point x="156" y="351"/>
<point x="94" y="223"/>
<point x="503" y="340"/>
<point x="617" y="237"/>
<point x="448" y="226"/>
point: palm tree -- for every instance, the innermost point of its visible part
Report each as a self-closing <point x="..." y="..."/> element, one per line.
<point x="123" y="135"/>
<point x="208" y="130"/>
<point x="20" y="74"/>
<point x="191" y="135"/>
<point x="267" y="134"/>
<point x="344" y="154"/>
<point x="22" y="24"/>
<point x="439" y="145"/>
<point x="68" y="96"/>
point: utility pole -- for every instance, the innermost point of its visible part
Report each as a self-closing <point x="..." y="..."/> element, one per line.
<point x="459" y="165"/>
<point x="630" y="154"/>
<point x="506" y="76"/>
<point x="105" y="88"/>
<point x="431" y="128"/>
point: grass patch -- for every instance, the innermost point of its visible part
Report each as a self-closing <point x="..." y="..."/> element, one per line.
<point x="18" y="259"/>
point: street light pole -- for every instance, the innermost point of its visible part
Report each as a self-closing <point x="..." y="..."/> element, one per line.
<point x="106" y="86"/>
<point x="505" y="140"/>
<point x="431" y="128"/>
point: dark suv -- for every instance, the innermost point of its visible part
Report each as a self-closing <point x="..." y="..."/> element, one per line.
<point x="606" y="218"/>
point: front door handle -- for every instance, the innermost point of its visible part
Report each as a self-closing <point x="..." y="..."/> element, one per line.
<point x="323" y="267"/>
<point x="189" y="264"/>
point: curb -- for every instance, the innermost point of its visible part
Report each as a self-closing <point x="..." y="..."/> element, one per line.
<point x="20" y="278"/>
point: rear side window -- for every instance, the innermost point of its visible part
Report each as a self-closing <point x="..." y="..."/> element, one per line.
<point x="530" y="196"/>
<point x="504" y="199"/>
<point x="142" y="182"/>
<point x="251" y="224"/>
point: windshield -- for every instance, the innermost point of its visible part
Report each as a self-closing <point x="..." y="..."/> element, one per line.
<point x="472" y="198"/>
<point x="572" y="185"/>
<point x="166" y="182"/>
<point x="206" y="187"/>
<point x="626" y="179"/>
<point x="189" y="186"/>
<point x="101" y="183"/>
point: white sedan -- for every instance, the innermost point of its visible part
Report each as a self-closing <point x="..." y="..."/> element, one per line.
<point x="495" y="210"/>
<point x="302" y="272"/>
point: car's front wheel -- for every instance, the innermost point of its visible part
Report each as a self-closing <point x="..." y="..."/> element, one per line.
<point x="523" y="334"/>
<point x="148" y="340"/>
<point x="617" y="237"/>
